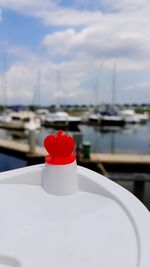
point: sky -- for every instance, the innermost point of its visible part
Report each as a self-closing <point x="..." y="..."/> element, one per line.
<point x="71" y="51"/>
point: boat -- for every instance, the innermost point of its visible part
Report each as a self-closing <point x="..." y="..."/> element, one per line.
<point x="110" y="116"/>
<point x="106" y="118"/>
<point x="143" y="117"/>
<point x="94" y="118"/>
<point x="21" y="120"/>
<point x="61" y="119"/>
<point x="60" y="214"/>
<point x="131" y="117"/>
<point x="110" y="119"/>
<point x="41" y="114"/>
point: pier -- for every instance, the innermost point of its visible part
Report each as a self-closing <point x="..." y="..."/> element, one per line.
<point x="101" y="162"/>
<point x="23" y="149"/>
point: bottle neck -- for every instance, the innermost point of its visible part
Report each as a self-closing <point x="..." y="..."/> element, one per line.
<point x="60" y="179"/>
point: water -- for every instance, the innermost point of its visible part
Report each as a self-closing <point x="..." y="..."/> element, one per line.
<point x="134" y="139"/>
<point x="10" y="163"/>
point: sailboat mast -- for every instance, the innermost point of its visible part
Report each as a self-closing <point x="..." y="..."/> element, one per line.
<point x="5" y="81"/>
<point x="39" y="88"/>
<point x="98" y="83"/>
<point x="114" y="84"/>
<point x="96" y="93"/>
<point x="58" y="90"/>
<point x="36" y="101"/>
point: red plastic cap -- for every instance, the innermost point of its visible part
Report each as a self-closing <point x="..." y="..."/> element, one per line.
<point x="60" y="148"/>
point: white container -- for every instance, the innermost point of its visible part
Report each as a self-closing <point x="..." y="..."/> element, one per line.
<point x="101" y="224"/>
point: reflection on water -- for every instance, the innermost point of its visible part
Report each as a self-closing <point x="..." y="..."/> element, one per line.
<point x="10" y="163"/>
<point x="133" y="139"/>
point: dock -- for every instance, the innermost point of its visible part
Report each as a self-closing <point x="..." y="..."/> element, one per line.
<point x="105" y="158"/>
<point x="20" y="148"/>
<point x="113" y="162"/>
<point x="103" y="163"/>
<point x="120" y="158"/>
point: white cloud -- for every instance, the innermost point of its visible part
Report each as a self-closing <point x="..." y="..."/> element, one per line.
<point x="123" y="35"/>
<point x="143" y="86"/>
<point x="68" y="17"/>
<point x="67" y="82"/>
<point x="79" y="12"/>
<point x="24" y="86"/>
<point x="22" y="52"/>
<point x="127" y="5"/>
<point x="106" y="41"/>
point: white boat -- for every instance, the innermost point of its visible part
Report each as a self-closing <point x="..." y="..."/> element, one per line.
<point x="59" y="214"/>
<point x="61" y="119"/>
<point x="131" y="117"/>
<point x="20" y="120"/>
<point x="94" y="118"/>
<point x="143" y="117"/>
<point x="42" y="113"/>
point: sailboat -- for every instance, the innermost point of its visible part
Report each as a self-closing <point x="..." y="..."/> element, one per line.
<point x="110" y="116"/>
<point x="94" y="116"/>
<point x="59" y="118"/>
<point x="17" y="119"/>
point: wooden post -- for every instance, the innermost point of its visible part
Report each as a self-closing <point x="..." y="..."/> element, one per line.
<point x="32" y="143"/>
<point x="102" y="169"/>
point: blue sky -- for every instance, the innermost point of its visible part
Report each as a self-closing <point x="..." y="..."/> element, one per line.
<point x="79" y="39"/>
<point x="21" y="30"/>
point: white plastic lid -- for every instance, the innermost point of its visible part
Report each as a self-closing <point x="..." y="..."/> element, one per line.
<point x="101" y="224"/>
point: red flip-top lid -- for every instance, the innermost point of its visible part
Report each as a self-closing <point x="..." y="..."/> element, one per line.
<point x="60" y="148"/>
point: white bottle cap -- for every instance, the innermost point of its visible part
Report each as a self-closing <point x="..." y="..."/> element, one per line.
<point x="60" y="172"/>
